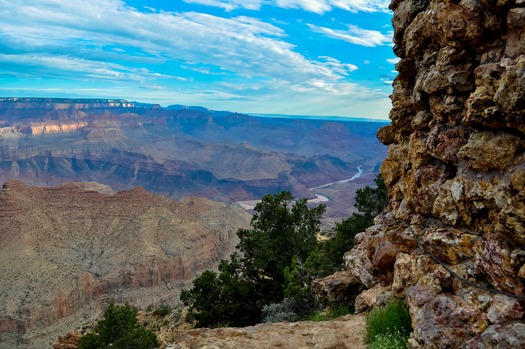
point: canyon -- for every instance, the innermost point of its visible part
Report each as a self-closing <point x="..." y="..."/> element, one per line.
<point x="181" y="151"/>
<point x="67" y="251"/>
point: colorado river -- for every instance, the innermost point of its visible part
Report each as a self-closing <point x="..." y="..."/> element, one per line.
<point x="357" y="175"/>
<point x="250" y="204"/>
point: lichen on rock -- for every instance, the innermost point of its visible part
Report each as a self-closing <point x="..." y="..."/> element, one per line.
<point x="455" y="172"/>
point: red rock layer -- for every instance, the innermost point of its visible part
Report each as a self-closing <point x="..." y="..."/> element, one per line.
<point x="67" y="251"/>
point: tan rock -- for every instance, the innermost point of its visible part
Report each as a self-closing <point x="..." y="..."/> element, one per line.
<point x="343" y="332"/>
<point x="450" y="246"/>
<point x="374" y="297"/>
<point x="69" y="341"/>
<point x="339" y="287"/>
<point x="485" y="151"/>
<point x="67" y="251"/>
<point x="455" y="170"/>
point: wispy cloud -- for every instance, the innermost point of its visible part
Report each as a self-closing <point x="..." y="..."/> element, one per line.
<point x="229" y="5"/>
<point x="355" y="35"/>
<point x="158" y="56"/>
<point x="393" y="60"/>
<point x="322" y="6"/>
<point x="241" y="45"/>
<point x="316" y="6"/>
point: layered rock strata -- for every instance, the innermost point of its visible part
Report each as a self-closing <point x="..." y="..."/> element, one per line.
<point x="456" y="176"/>
<point x="67" y="251"/>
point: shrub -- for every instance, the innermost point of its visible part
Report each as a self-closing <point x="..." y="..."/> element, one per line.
<point x="395" y="340"/>
<point x="163" y="310"/>
<point x="331" y="312"/>
<point x="281" y="230"/>
<point x="279" y="312"/>
<point x="119" y="329"/>
<point x="388" y="324"/>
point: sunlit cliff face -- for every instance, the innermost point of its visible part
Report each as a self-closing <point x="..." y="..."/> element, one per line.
<point x="45" y="128"/>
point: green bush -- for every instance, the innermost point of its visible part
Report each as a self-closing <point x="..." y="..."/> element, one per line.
<point x="388" y="324"/>
<point x="119" y="329"/>
<point x="282" y="229"/>
<point x="280" y="312"/>
<point x="163" y="310"/>
<point x="331" y="312"/>
<point x="278" y="258"/>
<point x="389" y="340"/>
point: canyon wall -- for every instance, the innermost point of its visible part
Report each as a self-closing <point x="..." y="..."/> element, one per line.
<point x="456" y="176"/>
<point x="67" y="251"/>
<point x="62" y="103"/>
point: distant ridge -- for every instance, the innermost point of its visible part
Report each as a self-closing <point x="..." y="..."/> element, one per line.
<point x="319" y="117"/>
<point x="182" y="150"/>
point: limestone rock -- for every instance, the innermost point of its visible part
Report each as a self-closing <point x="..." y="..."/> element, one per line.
<point x="343" y="332"/>
<point x="449" y="245"/>
<point x="339" y="287"/>
<point x="374" y="297"/>
<point x="507" y="336"/>
<point x="486" y="151"/>
<point x="455" y="173"/>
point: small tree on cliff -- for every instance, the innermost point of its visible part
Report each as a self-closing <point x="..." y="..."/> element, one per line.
<point x="280" y="230"/>
<point x="119" y="329"/>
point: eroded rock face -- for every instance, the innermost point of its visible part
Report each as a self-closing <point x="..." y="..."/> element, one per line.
<point x="456" y="175"/>
<point x="67" y="251"/>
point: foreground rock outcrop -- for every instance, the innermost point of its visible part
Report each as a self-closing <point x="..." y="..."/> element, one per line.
<point x="67" y="251"/>
<point x="456" y="176"/>
<point x="344" y="332"/>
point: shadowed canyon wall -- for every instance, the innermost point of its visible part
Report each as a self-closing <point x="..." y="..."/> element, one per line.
<point x="456" y="175"/>
<point x="67" y="251"/>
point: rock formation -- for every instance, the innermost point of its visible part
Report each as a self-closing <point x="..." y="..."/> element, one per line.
<point x="456" y="176"/>
<point x="183" y="151"/>
<point x="67" y="251"/>
<point x="344" y="333"/>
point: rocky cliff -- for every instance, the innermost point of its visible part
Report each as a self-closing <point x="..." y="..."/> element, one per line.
<point x="456" y="176"/>
<point x="67" y="251"/>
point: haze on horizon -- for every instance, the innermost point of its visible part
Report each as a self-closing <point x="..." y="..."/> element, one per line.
<point x="299" y="57"/>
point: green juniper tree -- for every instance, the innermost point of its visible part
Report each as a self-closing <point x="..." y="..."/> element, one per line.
<point x="281" y="229"/>
<point x="119" y="329"/>
<point x="278" y="258"/>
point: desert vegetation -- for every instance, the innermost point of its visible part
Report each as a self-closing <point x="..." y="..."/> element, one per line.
<point x="388" y="326"/>
<point x="269" y="278"/>
<point x="119" y="329"/>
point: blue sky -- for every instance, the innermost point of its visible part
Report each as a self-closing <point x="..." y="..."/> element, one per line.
<point x="303" y="57"/>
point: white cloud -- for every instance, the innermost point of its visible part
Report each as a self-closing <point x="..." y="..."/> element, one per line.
<point x="355" y="35"/>
<point x="337" y="66"/>
<point x="322" y="6"/>
<point x="241" y="45"/>
<point x="316" y="6"/>
<point x="229" y="5"/>
<point x="113" y="43"/>
<point x="393" y="60"/>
